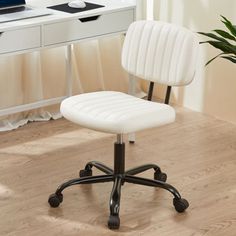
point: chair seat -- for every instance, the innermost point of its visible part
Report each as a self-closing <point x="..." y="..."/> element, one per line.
<point x="115" y="112"/>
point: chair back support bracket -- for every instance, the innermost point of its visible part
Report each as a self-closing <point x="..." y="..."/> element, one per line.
<point x="150" y="93"/>
<point x="167" y="98"/>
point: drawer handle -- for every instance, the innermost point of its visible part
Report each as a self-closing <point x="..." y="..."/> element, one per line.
<point x="91" y="18"/>
<point x="1" y="33"/>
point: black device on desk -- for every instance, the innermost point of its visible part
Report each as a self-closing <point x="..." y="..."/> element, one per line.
<point x="8" y="3"/>
<point x="66" y="8"/>
<point x="11" y="10"/>
<point x="11" y="6"/>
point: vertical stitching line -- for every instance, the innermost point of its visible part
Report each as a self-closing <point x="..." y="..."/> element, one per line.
<point x="147" y="49"/>
<point x="155" y="50"/>
<point x="181" y="55"/>
<point x="131" y="33"/>
<point x="171" y="57"/>
<point x="140" y="39"/>
<point x="161" y="66"/>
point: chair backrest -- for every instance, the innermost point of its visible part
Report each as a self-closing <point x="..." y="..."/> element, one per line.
<point x="160" y="52"/>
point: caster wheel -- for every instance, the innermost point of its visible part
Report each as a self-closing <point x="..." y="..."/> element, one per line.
<point x="132" y="142"/>
<point x="85" y="173"/>
<point x="54" y="200"/>
<point x="158" y="175"/>
<point x="114" y="222"/>
<point x="180" y="204"/>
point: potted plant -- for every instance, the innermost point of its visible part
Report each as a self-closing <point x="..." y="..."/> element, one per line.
<point x="224" y="41"/>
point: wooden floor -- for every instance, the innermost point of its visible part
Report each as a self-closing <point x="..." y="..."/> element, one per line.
<point x="197" y="152"/>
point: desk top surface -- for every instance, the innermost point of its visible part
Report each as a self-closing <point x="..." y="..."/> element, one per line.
<point x="57" y="16"/>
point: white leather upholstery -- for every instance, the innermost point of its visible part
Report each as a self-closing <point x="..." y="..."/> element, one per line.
<point x="160" y="52"/>
<point x="115" y="112"/>
<point x="154" y="51"/>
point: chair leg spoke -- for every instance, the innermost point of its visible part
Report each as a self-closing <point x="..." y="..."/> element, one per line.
<point x="140" y="169"/>
<point x="84" y="180"/>
<point x="114" y="220"/>
<point x="100" y="166"/>
<point x="153" y="183"/>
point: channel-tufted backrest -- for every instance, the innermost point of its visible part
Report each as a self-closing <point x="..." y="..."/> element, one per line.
<point x="160" y="52"/>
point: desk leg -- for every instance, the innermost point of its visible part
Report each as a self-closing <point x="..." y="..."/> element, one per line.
<point x="132" y="86"/>
<point x="69" y="70"/>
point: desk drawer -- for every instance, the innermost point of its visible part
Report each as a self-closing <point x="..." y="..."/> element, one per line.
<point x="22" y="39"/>
<point x="82" y="28"/>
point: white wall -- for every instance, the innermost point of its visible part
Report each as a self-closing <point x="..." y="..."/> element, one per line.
<point x="214" y="88"/>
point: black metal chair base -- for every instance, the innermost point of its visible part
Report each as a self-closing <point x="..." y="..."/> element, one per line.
<point x="119" y="176"/>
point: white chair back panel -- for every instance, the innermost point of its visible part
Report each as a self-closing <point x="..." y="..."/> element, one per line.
<point x="160" y="52"/>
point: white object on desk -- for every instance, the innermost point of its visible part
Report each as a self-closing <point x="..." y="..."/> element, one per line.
<point x="77" y="4"/>
<point x="63" y="29"/>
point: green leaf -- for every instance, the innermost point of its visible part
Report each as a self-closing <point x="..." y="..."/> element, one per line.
<point x="226" y="48"/>
<point x="221" y="41"/>
<point x="225" y="34"/>
<point x="229" y="25"/>
<point x="210" y="35"/>
<point x="214" y="58"/>
<point x="232" y="59"/>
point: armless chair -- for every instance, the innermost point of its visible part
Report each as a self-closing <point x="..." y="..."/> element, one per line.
<point x="153" y="51"/>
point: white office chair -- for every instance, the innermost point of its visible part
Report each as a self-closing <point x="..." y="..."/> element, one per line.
<point x="154" y="51"/>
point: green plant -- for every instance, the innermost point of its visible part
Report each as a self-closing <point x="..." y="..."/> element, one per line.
<point x="224" y="41"/>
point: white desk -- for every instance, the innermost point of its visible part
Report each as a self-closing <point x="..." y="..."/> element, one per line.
<point x="60" y="29"/>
